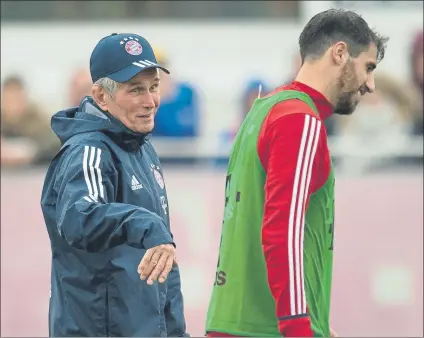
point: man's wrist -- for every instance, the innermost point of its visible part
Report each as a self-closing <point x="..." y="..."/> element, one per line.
<point x="296" y="326"/>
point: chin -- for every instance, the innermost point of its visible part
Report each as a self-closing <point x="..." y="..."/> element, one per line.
<point x="346" y="109"/>
<point x="146" y="129"/>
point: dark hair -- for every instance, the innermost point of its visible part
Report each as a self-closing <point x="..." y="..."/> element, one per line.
<point x="333" y="25"/>
<point x="14" y="80"/>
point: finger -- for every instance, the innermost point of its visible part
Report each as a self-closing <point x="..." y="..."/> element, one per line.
<point x="145" y="260"/>
<point x="166" y="270"/>
<point x="159" y="268"/>
<point x="152" y="264"/>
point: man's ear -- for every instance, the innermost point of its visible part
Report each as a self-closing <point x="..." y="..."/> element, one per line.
<point x="340" y="53"/>
<point x="99" y="96"/>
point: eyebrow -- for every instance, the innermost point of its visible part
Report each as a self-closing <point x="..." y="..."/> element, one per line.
<point x="135" y="83"/>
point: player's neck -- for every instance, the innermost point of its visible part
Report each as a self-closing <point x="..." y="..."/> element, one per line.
<point x="313" y="76"/>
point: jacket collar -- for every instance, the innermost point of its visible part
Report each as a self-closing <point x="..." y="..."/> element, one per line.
<point x="119" y="133"/>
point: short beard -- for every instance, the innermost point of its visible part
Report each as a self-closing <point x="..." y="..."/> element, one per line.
<point x="345" y="104"/>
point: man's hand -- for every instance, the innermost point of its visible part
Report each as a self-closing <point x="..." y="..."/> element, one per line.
<point x="157" y="262"/>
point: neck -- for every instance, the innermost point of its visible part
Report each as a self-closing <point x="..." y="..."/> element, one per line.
<point x="317" y="77"/>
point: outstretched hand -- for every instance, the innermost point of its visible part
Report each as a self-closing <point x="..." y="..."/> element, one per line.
<point x="157" y="263"/>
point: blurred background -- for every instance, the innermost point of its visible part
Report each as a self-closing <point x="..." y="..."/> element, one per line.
<point x="219" y="52"/>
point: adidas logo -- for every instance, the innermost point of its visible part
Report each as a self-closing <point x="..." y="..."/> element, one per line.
<point x="135" y="184"/>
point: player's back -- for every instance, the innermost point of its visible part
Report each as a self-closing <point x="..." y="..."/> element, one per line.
<point x="242" y="303"/>
<point x="241" y="240"/>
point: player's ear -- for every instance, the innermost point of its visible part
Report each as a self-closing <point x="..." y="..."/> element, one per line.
<point x="340" y="53"/>
<point x="99" y="96"/>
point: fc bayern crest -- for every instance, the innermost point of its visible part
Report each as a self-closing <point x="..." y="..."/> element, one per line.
<point x="159" y="178"/>
<point x="133" y="47"/>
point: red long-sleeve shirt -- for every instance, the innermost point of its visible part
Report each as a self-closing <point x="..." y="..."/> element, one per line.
<point x="282" y="142"/>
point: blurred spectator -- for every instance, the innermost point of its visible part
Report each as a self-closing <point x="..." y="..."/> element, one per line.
<point x="79" y="86"/>
<point x="26" y="137"/>
<point x="254" y="89"/>
<point x="416" y="57"/>
<point x="251" y="92"/>
<point x="380" y="125"/>
<point x="179" y="113"/>
<point x="386" y="112"/>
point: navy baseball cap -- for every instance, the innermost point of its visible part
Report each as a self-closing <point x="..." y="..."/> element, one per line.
<point x="120" y="57"/>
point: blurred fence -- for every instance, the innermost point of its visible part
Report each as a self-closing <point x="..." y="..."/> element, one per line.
<point x="378" y="251"/>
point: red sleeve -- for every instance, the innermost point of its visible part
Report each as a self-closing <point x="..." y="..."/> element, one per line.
<point x="288" y="147"/>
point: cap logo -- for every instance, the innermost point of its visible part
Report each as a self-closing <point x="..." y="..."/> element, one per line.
<point x="133" y="47"/>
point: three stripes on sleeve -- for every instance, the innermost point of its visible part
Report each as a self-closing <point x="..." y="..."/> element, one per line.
<point x="302" y="179"/>
<point x="92" y="173"/>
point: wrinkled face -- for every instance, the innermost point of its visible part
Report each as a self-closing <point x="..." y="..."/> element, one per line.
<point x="135" y="102"/>
<point x="356" y="79"/>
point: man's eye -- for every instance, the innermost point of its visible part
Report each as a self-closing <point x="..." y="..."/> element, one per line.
<point x="136" y="89"/>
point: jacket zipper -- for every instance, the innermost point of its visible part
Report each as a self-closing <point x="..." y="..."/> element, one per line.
<point x="151" y="184"/>
<point x="107" y="312"/>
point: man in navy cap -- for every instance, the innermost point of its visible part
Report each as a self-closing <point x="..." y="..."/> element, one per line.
<point x="106" y="209"/>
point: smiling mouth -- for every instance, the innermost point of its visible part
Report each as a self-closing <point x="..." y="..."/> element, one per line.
<point x="145" y="115"/>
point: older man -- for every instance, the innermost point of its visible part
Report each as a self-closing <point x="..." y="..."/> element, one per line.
<point x="105" y="205"/>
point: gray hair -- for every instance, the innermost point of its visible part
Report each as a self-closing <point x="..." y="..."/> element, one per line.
<point x="109" y="85"/>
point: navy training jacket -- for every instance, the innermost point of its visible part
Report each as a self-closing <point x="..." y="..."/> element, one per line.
<point x="104" y="204"/>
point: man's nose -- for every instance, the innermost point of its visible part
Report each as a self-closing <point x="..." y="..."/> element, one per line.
<point x="371" y="84"/>
<point x="149" y="101"/>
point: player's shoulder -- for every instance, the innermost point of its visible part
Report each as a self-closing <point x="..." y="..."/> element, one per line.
<point x="90" y="141"/>
<point x="89" y="147"/>
<point x="290" y="109"/>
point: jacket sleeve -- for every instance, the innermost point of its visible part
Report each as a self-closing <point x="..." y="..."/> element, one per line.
<point x="174" y="308"/>
<point x="288" y="153"/>
<point x="88" y="217"/>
